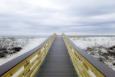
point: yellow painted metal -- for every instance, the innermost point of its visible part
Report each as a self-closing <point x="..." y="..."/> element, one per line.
<point x="29" y="66"/>
<point x="82" y="66"/>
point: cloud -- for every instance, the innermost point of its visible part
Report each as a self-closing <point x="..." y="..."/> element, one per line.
<point x="48" y="16"/>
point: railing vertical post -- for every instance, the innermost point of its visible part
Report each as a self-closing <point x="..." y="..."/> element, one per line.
<point x="82" y="66"/>
<point x="32" y="62"/>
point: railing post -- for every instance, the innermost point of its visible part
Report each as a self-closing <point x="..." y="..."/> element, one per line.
<point x="82" y="66"/>
<point x="31" y="63"/>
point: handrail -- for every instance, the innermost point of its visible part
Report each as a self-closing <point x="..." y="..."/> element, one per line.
<point x="29" y="63"/>
<point x="84" y="64"/>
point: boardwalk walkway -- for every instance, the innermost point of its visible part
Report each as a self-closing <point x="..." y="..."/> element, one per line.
<point x="57" y="63"/>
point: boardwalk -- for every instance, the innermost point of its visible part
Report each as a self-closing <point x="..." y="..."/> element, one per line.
<point x="57" y="63"/>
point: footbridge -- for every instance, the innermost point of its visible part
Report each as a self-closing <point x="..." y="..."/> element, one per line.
<point x="56" y="57"/>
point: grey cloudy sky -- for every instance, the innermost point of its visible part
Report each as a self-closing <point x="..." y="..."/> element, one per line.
<point x="47" y="16"/>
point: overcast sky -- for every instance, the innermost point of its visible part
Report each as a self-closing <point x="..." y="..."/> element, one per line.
<point x="47" y="16"/>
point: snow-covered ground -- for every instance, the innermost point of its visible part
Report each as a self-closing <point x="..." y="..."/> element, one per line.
<point x="26" y="44"/>
<point x="102" y="48"/>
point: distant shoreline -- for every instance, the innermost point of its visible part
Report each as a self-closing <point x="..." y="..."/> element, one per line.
<point x="91" y="35"/>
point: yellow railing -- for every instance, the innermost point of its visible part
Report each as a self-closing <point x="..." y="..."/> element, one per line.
<point x="29" y="66"/>
<point x="82" y="66"/>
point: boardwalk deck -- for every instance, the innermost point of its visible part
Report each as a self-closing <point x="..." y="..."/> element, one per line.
<point x="57" y="62"/>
